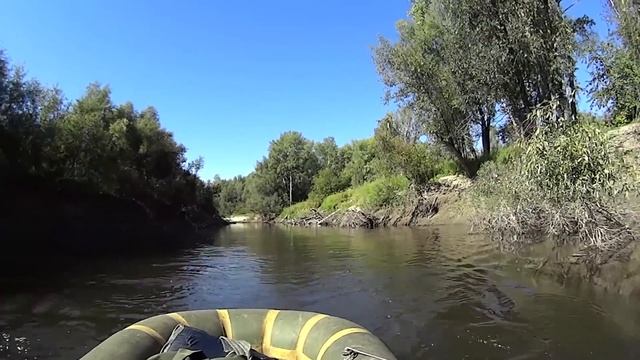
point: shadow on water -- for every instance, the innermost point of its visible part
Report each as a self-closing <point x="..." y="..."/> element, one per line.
<point x="428" y="293"/>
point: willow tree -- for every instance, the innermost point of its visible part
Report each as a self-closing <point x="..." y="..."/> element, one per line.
<point x="615" y="64"/>
<point x="427" y="71"/>
<point x="457" y="62"/>
<point x="535" y="45"/>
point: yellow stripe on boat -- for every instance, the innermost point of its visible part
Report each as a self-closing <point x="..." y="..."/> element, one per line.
<point x="335" y="337"/>
<point x="282" y="354"/>
<point x="267" y="329"/>
<point x="304" y="333"/>
<point x="149" y="331"/>
<point x="225" y="320"/>
<point x="177" y="317"/>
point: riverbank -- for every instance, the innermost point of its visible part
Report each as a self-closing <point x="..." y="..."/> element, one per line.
<point x="450" y="200"/>
<point x="444" y="202"/>
<point x="244" y="219"/>
<point x="46" y="221"/>
<point x="449" y="203"/>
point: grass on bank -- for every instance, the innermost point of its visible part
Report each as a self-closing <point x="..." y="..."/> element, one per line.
<point x="371" y="195"/>
<point x="567" y="182"/>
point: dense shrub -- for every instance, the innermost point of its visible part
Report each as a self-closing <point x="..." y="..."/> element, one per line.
<point x="567" y="181"/>
<point x="337" y="201"/>
<point x="507" y="154"/>
<point x="327" y="182"/>
<point x="380" y="192"/>
<point x="446" y="167"/>
<point x="297" y="210"/>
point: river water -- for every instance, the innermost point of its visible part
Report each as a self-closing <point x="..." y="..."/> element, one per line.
<point x="435" y="293"/>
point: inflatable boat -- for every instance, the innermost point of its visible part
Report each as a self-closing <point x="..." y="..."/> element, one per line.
<point x="280" y="334"/>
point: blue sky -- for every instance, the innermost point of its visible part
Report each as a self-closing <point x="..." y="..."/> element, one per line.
<point x="226" y="76"/>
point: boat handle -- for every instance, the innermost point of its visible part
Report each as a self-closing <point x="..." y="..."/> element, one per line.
<point x="350" y="353"/>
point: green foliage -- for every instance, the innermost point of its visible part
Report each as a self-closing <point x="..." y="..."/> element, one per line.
<point x="419" y="72"/>
<point x="328" y="182"/>
<point x="616" y="82"/>
<point x="615" y="65"/>
<point x="331" y="177"/>
<point x="293" y="162"/>
<point x="229" y="196"/>
<point x="566" y="181"/>
<point x="399" y="152"/>
<point x="439" y="68"/>
<point x="446" y="167"/>
<point x="384" y="191"/>
<point x="284" y="176"/>
<point x="260" y="196"/>
<point x="627" y="18"/>
<point x="380" y="192"/>
<point x="362" y="165"/>
<point x="298" y="210"/>
<point x="112" y="147"/>
<point x="573" y="164"/>
<point x="508" y="154"/>
<point x="341" y="200"/>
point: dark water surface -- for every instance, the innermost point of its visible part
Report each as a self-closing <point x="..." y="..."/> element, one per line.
<point x="428" y="293"/>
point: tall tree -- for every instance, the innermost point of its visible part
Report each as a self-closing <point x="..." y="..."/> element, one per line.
<point x="292" y="159"/>
<point x="458" y="61"/>
<point x="615" y="64"/>
<point x="330" y="178"/>
<point x="421" y="72"/>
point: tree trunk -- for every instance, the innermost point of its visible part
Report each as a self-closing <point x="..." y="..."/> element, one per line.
<point x="469" y="168"/>
<point x="290" y="190"/>
<point x="486" y="139"/>
<point x="573" y="108"/>
<point x="485" y="132"/>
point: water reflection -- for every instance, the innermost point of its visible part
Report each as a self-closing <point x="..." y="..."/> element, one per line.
<point x="429" y="293"/>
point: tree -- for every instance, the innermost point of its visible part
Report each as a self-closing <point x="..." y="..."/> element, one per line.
<point x="262" y="192"/>
<point x="230" y="197"/>
<point x="21" y="134"/>
<point x="328" y="154"/>
<point x="615" y="65"/>
<point x="330" y="178"/>
<point x="419" y="73"/>
<point x="293" y="161"/>
<point x="457" y="62"/>
<point x="400" y="153"/>
<point x="362" y="164"/>
<point x="285" y="176"/>
<point x="112" y="148"/>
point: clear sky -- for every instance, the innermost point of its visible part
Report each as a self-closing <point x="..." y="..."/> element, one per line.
<point x="226" y="76"/>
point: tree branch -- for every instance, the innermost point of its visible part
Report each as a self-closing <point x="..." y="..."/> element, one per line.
<point x="613" y="6"/>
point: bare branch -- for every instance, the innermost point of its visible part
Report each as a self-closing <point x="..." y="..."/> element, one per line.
<point x="613" y="6"/>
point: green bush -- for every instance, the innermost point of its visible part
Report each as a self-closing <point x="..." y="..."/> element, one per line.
<point x="419" y="162"/>
<point x="297" y="210"/>
<point x="380" y="192"/>
<point x="566" y="181"/>
<point x="574" y="164"/>
<point x="327" y="182"/>
<point x="446" y="167"/>
<point x="341" y="200"/>
<point x="506" y="154"/>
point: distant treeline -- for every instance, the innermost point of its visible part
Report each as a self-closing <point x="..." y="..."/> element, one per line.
<point x="90" y="176"/>
<point x="297" y="169"/>
<point x="114" y="148"/>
